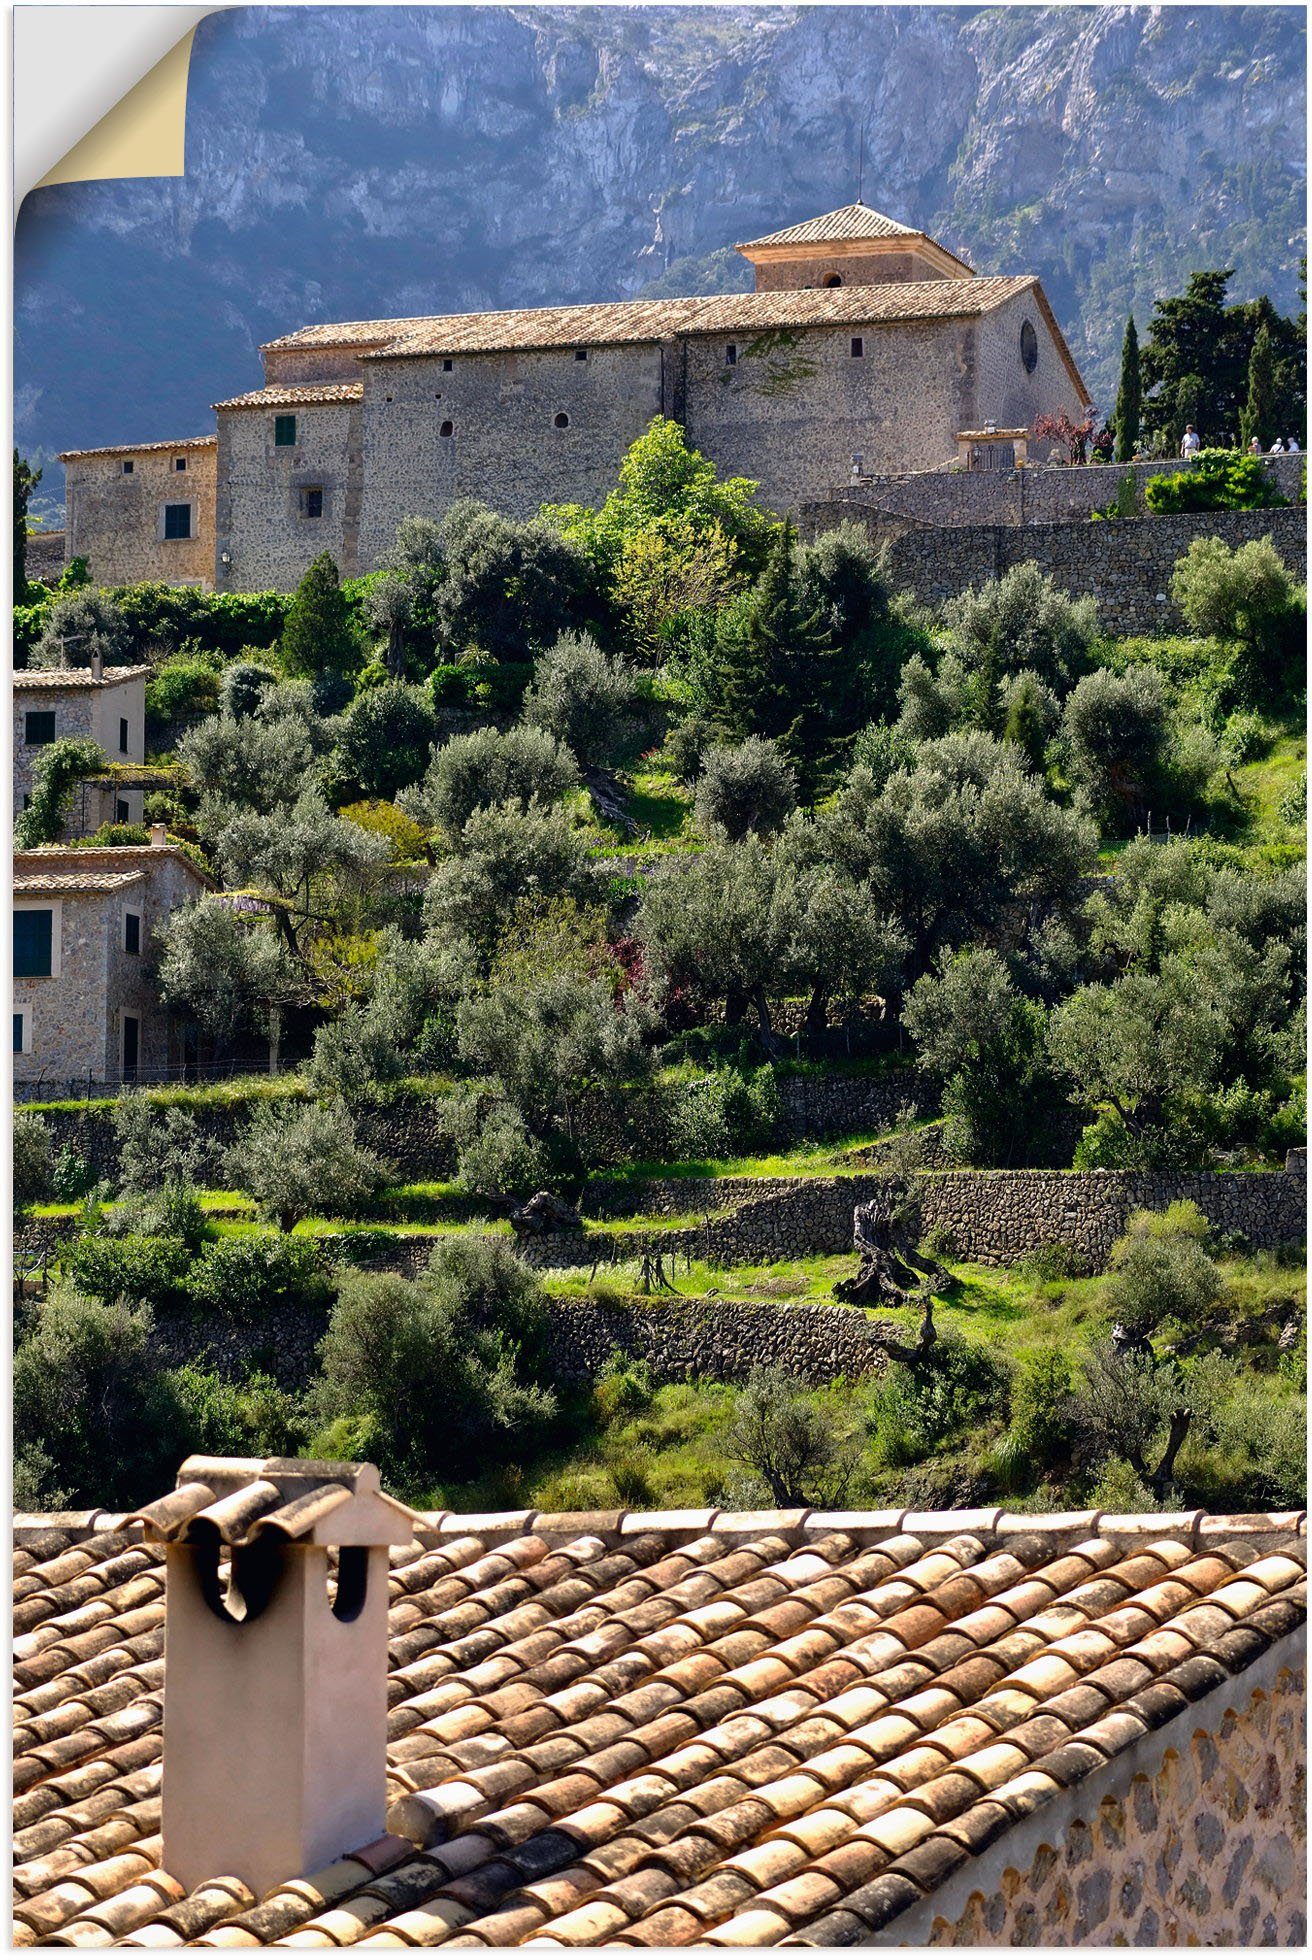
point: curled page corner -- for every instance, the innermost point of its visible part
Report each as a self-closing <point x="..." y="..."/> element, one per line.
<point x="100" y="92"/>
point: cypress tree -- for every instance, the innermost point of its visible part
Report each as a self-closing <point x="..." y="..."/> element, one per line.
<point x="1129" y="396"/>
<point x="25" y="482"/>
<point x="318" y="637"/>
<point x="775" y="668"/>
<point x="1259" y="416"/>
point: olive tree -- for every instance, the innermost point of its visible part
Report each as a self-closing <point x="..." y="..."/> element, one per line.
<point x="584" y="698"/>
<point x="297" y="1160"/>
<point x="747" y="786"/>
<point x="492" y="766"/>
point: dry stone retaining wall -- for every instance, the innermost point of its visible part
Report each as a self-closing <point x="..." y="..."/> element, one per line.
<point x="1126" y="565"/>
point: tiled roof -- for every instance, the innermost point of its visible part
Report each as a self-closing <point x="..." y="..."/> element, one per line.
<point x="93" y="861"/>
<point x="56" y="680"/>
<point x="340" y="333"/>
<point x="138" y="448"/>
<point x="637" y="321"/>
<point x="53" y="883"/>
<point x="679" y="1728"/>
<point x="312" y="394"/>
<point x="852" y="221"/>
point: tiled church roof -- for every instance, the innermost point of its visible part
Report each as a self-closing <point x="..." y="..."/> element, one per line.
<point x="850" y="222"/>
<point x="683" y="1728"/>
<point x="310" y="394"/>
<point x="637" y="321"/>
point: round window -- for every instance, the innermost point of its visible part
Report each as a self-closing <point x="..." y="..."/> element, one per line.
<point x="562" y="420"/>
<point x="1029" y="347"/>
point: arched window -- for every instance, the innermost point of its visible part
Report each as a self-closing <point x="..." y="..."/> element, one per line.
<point x="1029" y="347"/>
<point x="831" y="279"/>
<point x="562" y="420"/>
<point x="447" y="429"/>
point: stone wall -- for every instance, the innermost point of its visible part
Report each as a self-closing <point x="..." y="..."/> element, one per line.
<point x="260" y="518"/>
<point x="1126" y="566"/>
<point x="116" y="519"/>
<point x="716" y="1340"/>
<point x="1204" y="1844"/>
<point x="45" y="555"/>
<point x="1047" y="494"/>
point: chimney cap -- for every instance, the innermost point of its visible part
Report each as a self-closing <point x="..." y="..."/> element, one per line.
<point x="159" y="836"/>
<point x="239" y="1500"/>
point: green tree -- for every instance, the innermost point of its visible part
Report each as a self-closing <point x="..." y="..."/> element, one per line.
<point x="1116" y="729"/>
<point x="260" y="762"/>
<point x="1194" y="362"/>
<point x="1023" y="622"/>
<point x="1129" y="396"/>
<point x="1259" y="416"/>
<point x="489" y="766"/>
<point x="80" y="625"/>
<point x="302" y="1159"/>
<point x="25" y="482"/>
<point x="386" y="739"/>
<point x="777" y="667"/>
<point x="33" y="1160"/>
<point x="1245" y="596"/>
<point x="319" y="638"/>
<point x="588" y="701"/>
<point x="509" y="588"/>
<point x="157" y="1147"/>
<point x="1159" y="1271"/>
<point x="505" y="855"/>
<point x="745" y="787"/>
<point x="294" y="855"/>
<point x="226" y="969"/>
<point x="794" y="1446"/>
<point x="1031" y="716"/>
<point x="711" y="923"/>
<point x="985" y="1043"/>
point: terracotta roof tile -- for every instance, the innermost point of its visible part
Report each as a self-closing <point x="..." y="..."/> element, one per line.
<point x="660" y="1735"/>
<point x="314" y="394"/>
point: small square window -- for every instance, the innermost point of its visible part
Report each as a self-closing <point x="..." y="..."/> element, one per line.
<point x="312" y="501"/>
<point x="128" y="467"/>
<point x="177" y="520"/>
<point x="122" y="734"/>
<point x="580" y="353"/>
<point x="284" y="431"/>
<point x="731" y="355"/>
<point x="447" y="430"/>
<point x="179" y="462"/>
<point x="132" y="932"/>
<point x="858" y="347"/>
<point x="39" y="727"/>
<point x="447" y="367"/>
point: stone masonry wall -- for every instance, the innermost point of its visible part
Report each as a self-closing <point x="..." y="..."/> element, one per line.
<point x="1126" y="566"/>
<point x="1208" y="1849"/>
<point x="115" y="521"/>
<point x="260" y="522"/>
<point x="1042" y="495"/>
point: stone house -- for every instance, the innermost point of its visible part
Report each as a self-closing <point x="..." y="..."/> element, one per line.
<point x="98" y="704"/>
<point x="86" y="1007"/>
<point x="143" y="511"/>
<point x="683" y="1728"/>
<point x="864" y="344"/>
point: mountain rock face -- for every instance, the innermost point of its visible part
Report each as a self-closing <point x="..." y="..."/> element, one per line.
<point x="349" y="163"/>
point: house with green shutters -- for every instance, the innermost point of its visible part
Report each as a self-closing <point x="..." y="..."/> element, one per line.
<point x="86" y="1004"/>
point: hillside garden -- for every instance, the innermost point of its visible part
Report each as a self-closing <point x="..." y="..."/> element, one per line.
<point x="593" y="837"/>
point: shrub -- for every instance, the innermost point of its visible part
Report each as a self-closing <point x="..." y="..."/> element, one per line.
<point x="71" y="1175"/>
<point x="915" y="1411"/>
<point x="79" y="625"/>
<point x="1159" y="1271"/>
<point x="1247" y="596"/>
<point x="244" y="686"/>
<point x="33" y="1161"/>
<point x="405" y="837"/>
<point x="296" y="1162"/>
<point x="58" y="769"/>
<point x="386" y="738"/>
<point x="254" y="1279"/>
<point x="254" y="1417"/>
<point x="585" y="699"/>
<point x="443" y="1369"/>
<point x="145" y="1271"/>
<point x="172" y="1212"/>
<point x="158" y="1146"/>
<point x="491" y="766"/>
<point x="188" y="684"/>
<point x="94" y="1421"/>
<point x="1217" y="479"/>
<point x="1050" y="1263"/>
<point x="623" y="1388"/>
<point x="687" y="745"/>
<point x="724" y="1113"/>
<point x="497" y="1156"/>
<point x="795" y="1447"/>
<point x="1024" y="620"/>
<point x="745" y="788"/>
<point x="453" y="685"/>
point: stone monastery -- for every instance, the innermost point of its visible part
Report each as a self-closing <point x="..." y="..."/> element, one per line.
<point x="865" y="346"/>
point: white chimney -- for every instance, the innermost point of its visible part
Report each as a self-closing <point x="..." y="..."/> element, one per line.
<point x="97" y="666"/>
<point x="275" y="1693"/>
<point x="159" y="836"/>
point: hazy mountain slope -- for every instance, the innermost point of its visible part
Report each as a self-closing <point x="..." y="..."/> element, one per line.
<point x="349" y="162"/>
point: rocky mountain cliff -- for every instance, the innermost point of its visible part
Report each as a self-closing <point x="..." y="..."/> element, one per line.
<point x="350" y="162"/>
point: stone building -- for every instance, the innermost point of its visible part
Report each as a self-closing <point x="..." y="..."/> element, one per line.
<point x="376" y="1727"/>
<point x="86" y="1007"/>
<point x="98" y="704"/>
<point x="143" y="511"/>
<point x="863" y="339"/>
